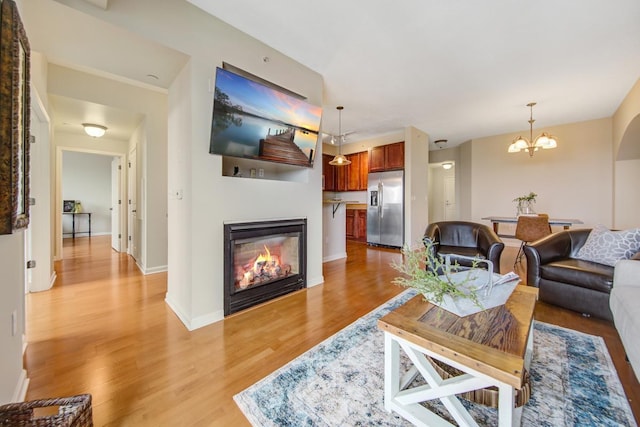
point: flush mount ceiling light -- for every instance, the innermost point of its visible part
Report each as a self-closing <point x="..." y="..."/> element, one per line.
<point x="94" y="130"/>
<point x="340" y="159"/>
<point x="440" y="143"/>
<point x="447" y="165"/>
<point x="544" y="140"/>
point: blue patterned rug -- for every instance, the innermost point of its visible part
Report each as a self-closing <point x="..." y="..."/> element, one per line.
<point x="339" y="382"/>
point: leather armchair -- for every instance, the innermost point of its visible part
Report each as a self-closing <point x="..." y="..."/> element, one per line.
<point x="462" y="239"/>
<point x="566" y="281"/>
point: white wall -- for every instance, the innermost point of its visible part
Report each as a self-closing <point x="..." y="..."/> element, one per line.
<point x="13" y="379"/>
<point x="627" y="195"/>
<point x="209" y="199"/>
<point x="416" y="161"/>
<point x="574" y="180"/>
<point x="626" y="148"/>
<point x="11" y="301"/>
<point x="87" y="178"/>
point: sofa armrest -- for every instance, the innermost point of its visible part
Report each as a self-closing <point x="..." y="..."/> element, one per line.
<point x="432" y="233"/>
<point x="627" y="273"/>
<point x="549" y="248"/>
<point x="432" y="236"/>
<point x="552" y="247"/>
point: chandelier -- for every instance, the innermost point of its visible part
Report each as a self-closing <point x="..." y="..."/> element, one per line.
<point x="340" y="159"/>
<point x="544" y="140"/>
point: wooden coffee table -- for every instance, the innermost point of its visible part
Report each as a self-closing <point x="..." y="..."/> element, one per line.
<point x="492" y="348"/>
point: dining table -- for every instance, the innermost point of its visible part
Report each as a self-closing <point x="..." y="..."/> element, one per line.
<point x="497" y="220"/>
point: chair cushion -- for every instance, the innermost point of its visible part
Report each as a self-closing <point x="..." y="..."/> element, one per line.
<point x="607" y="247"/>
<point x="584" y="274"/>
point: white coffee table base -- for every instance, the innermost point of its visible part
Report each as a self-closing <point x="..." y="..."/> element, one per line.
<point x="406" y="402"/>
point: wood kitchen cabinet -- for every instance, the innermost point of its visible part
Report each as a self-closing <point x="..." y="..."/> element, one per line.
<point x="357" y="171"/>
<point x="364" y="170"/>
<point x="352" y="177"/>
<point x="328" y="174"/>
<point x="356" y="227"/>
<point x="341" y="178"/>
<point x="351" y="223"/>
<point x="387" y="157"/>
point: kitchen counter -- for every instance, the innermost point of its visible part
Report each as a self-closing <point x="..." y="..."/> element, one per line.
<point x="356" y="205"/>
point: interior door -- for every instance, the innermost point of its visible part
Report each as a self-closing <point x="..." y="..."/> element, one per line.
<point x="132" y="238"/>
<point x="450" y="197"/>
<point x="116" y="236"/>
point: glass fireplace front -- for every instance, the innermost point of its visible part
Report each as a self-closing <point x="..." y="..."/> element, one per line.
<point x="263" y="260"/>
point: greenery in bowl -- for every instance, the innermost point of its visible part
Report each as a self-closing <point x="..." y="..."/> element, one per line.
<point x="531" y="198"/>
<point x="427" y="281"/>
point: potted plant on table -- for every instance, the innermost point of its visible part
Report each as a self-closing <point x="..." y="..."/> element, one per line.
<point x="421" y="268"/>
<point x="525" y="203"/>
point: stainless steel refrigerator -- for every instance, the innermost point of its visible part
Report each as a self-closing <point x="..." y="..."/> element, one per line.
<point x="385" y="208"/>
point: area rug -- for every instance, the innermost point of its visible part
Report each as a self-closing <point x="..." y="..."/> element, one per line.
<point x="340" y="382"/>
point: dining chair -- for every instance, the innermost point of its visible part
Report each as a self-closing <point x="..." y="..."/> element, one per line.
<point x="529" y="229"/>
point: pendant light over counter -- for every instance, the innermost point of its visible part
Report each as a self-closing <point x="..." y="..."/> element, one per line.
<point x="340" y="159"/>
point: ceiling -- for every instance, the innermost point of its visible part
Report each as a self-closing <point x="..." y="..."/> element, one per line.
<point x="105" y="50"/>
<point x="456" y="70"/>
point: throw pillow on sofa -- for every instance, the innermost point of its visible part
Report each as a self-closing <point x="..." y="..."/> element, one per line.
<point x="607" y="247"/>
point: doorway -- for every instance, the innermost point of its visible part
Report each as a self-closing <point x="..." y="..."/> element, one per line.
<point x="442" y="193"/>
<point x="92" y="180"/>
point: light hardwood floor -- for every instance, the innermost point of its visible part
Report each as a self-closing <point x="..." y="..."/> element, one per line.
<point x="105" y="329"/>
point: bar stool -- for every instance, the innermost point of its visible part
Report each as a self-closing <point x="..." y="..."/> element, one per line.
<point x="529" y="229"/>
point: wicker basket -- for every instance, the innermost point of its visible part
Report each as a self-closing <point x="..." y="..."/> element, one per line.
<point x="74" y="411"/>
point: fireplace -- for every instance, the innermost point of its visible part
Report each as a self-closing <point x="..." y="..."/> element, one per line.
<point x="263" y="260"/>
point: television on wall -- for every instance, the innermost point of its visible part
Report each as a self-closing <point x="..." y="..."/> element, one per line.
<point x="254" y="121"/>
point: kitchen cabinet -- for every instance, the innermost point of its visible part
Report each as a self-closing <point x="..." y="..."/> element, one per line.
<point x="364" y="170"/>
<point x="358" y="171"/>
<point x="356" y="227"/>
<point x="328" y="174"/>
<point x="387" y="157"/>
<point x="341" y="178"/>
<point x="352" y="177"/>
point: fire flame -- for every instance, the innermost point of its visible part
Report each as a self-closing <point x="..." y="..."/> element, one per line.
<point x="265" y="267"/>
<point x="262" y="258"/>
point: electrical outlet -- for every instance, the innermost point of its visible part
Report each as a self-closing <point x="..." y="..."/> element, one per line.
<point x="261" y="173"/>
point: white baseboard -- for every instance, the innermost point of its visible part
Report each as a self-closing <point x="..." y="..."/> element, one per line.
<point x="199" y="321"/>
<point x="20" y="392"/>
<point x="178" y="312"/>
<point x="314" y="281"/>
<point x="334" y="257"/>
<point x="206" y="319"/>
<point x="52" y="281"/>
<point x="152" y="270"/>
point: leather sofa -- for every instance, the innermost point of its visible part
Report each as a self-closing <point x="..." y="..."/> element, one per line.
<point x="626" y="310"/>
<point x="461" y="240"/>
<point x="566" y="281"/>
